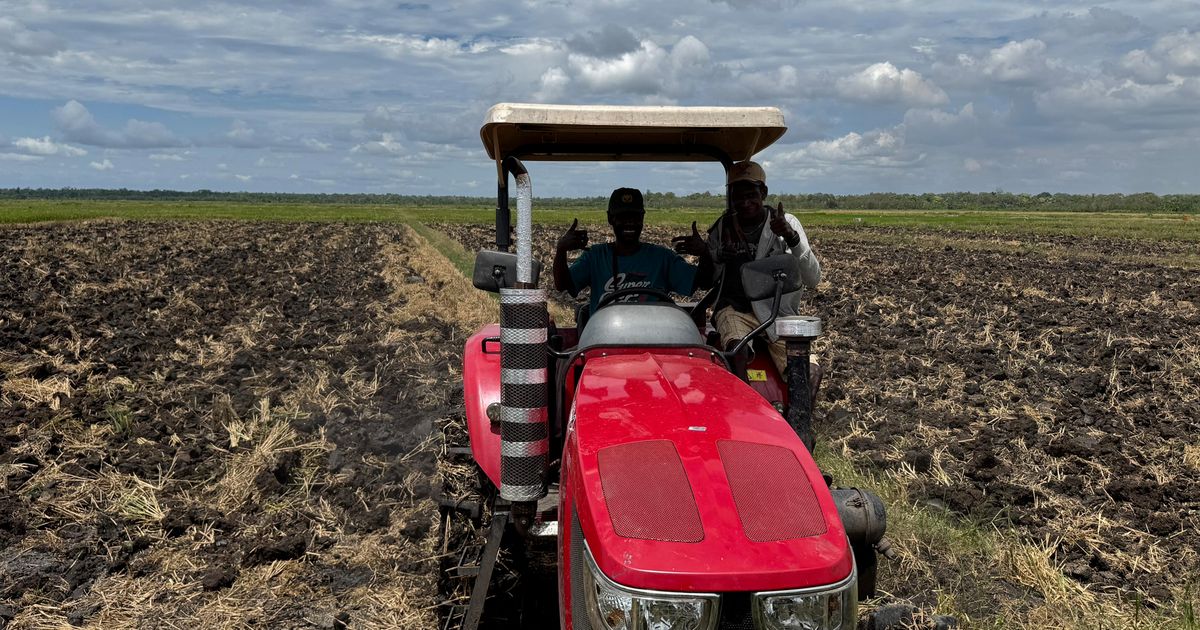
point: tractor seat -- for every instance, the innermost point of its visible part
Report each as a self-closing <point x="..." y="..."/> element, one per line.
<point x="640" y="325"/>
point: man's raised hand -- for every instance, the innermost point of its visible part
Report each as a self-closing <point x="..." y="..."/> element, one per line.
<point x="779" y="224"/>
<point x="780" y="227"/>
<point x="574" y="238"/>
<point x="693" y="243"/>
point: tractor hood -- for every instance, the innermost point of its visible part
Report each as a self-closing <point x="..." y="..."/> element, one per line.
<point x="690" y="481"/>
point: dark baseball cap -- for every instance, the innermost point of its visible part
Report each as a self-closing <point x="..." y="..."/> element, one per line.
<point x="624" y="200"/>
<point x="746" y="171"/>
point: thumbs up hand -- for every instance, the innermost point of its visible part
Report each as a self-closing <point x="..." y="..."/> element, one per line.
<point x="779" y="224"/>
<point x="574" y="238"/>
<point x="693" y="243"/>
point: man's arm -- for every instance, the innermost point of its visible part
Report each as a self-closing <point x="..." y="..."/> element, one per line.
<point x="572" y="239"/>
<point x="562" y="276"/>
<point x="788" y="228"/>
<point x="695" y="245"/>
<point x="810" y="267"/>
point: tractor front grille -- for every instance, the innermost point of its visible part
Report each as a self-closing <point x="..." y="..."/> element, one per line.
<point x="736" y="612"/>
<point x="579" y="616"/>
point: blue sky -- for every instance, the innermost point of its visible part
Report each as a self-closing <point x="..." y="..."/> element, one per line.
<point x="366" y="96"/>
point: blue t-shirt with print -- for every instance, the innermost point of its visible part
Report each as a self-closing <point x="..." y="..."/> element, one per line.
<point x="651" y="266"/>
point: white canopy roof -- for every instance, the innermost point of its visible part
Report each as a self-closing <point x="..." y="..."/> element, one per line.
<point x="608" y="132"/>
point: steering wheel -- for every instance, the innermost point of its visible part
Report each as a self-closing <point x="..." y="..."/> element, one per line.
<point x="620" y="293"/>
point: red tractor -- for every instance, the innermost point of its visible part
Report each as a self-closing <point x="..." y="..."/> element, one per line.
<point x="678" y="493"/>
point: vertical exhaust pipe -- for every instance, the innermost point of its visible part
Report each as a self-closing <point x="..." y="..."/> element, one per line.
<point x="524" y="391"/>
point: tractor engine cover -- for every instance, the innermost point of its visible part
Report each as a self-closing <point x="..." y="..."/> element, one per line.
<point x="685" y="479"/>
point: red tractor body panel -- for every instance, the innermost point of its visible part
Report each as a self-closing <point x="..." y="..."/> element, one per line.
<point x="764" y="378"/>
<point x="685" y="479"/>
<point x="481" y="387"/>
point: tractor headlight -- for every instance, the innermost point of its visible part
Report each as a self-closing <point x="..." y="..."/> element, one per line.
<point x="611" y="606"/>
<point x="825" y="608"/>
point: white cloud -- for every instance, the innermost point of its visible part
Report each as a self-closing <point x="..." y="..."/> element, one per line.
<point x="1142" y="67"/>
<point x="640" y="71"/>
<point x="316" y="145"/>
<point x="1017" y="62"/>
<point x="244" y="178"/>
<point x="449" y="126"/>
<point x="971" y="165"/>
<point x="1181" y="51"/>
<point x="535" y="47"/>
<point x="884" y="83"/>
<point x="379" y="119"/>
<point x="386" y="145"/>
<point x="403" y="45"/>
<point x="242" y="135"/>
<point x="854" y="146"/>
<point x="78" y="125"/>
<point x="46" y="146"/>
<point x="780" y="82"/>
<point x="1101" y="21"/>
<point x="1123" y="102"/>
<point x="766" y="5"/>
<point x="939" y="118"/>
<point x="144" y="135"/>
<point x="650" y="71"/>
<point x="106" y="165"/>
<point x="926" y="46"/>
<point x="1051" y="77"/>
<point x="942" y="128"/>
<point x="17" y="39"/>
<point x="877" y="148"/>
<point x="553" y="84"/>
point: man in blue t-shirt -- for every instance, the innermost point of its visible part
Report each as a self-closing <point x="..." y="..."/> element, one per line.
<point x="625" y="263"/>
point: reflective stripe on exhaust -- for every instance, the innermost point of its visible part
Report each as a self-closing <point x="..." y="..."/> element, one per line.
<point x="514" y="376"/>
<point x="523" y="449"/>
<point x="523" y="335"/>
<point x="517" y="415"/>
<point x="524" y="493"/>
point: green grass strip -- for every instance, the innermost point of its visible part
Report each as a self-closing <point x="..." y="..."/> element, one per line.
<point x="463" y="260"/>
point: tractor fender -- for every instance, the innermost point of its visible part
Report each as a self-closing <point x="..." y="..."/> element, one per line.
<point x="481" y="390"/>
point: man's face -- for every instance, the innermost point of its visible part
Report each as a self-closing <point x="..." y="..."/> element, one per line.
<point x="746" y="199"/>
<point x="627" y="226"/>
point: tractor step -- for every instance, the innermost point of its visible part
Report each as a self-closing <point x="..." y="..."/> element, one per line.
<point x="544" y="529"/>
<point x="469" y="571"/>
<point x="546" y="525"/>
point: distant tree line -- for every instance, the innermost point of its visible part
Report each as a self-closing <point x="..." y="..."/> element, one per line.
<point x="998" y="200"/>
<point x="1115" y="202"/>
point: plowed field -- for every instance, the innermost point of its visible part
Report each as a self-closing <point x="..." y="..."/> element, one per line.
<point x="1023" y="384"/>
<point x="220" y="424"/>
<point x="209" y="424"/>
